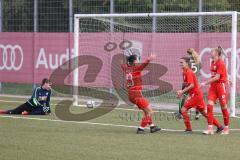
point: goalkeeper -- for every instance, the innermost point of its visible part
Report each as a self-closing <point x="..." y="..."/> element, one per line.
<point x="38" y="104"/>
<point x="195" y="66"/>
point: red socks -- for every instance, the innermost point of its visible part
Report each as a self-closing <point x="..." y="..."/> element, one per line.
<point x="212" y="120"/>
<point x="210" y="114"/>
<point x="225" y="116"/>
<point x="147" y="120"/>
<point x="216" y="123"/>
<point x="187" y="120"/>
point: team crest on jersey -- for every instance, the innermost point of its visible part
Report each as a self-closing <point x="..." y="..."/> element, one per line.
<point x="42" y="98"/>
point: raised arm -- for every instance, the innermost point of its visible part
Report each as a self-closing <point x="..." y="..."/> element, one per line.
<point x="146" y="62"/>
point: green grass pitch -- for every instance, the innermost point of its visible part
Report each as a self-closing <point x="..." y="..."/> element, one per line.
<point x="111" y="137"/>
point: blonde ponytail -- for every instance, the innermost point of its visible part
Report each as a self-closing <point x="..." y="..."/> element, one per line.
<point x="195" y="55"/>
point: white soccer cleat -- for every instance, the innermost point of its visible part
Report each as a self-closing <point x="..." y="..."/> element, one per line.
<point x="209" y="131"/>
<point x="225" y="131"/>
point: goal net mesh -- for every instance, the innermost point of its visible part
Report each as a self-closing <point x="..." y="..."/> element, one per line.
<point x="110" y="40"/>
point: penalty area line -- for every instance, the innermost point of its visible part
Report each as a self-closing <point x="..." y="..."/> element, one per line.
<point x="81" y="122"/>
<point x="94" y="123"/>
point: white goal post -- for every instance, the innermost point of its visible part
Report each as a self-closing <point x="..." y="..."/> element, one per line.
<point x="232" y="14"/>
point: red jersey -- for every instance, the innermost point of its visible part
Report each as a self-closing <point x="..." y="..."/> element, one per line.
<point x="134" y="76"/>
<point x="219" y="68"/>
<point x="189" y="77"/>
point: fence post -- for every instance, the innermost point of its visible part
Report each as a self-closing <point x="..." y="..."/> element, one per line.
<point x="34" y="41"/>
<point x="200" y="5"/>
<point x="35" y="15"/>
<point x="111" y="11"/>
<point x="70" y="14"/>
<point x="154" y="18"/>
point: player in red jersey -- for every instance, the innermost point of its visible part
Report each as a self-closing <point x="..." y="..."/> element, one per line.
<point x="217" y="90"/>
<point x="133" y="71"/>
<point x="195" y="98"/>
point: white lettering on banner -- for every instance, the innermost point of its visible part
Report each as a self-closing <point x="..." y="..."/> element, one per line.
<point x="227" y="61"/>
<point x="64" y="58"/>
<point x="53" y="60"/>
<point x="9" y="54"/>
<point x="41" y="60"/>
<point x="53" y="66"/>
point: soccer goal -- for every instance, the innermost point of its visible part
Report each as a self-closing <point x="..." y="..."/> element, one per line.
<point x="106" y="39"/>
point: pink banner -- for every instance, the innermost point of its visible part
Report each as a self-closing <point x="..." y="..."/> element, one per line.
<point x="28" y="57"/>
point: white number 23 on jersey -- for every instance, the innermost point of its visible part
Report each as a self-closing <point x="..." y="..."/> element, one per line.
<point x="129" y="78"/>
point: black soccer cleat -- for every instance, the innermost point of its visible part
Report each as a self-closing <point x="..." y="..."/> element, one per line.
<point x="154" y="129"/>
<point x="197" y="116"/>
<point x="219" y="130"/>
<point x="188" y="131"/>
<point x="140" y="131"/>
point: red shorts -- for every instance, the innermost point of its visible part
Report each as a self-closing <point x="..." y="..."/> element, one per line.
<point x="136" y="97"/>
<point x="195" y="101"/>
<point x="218" y="91"/>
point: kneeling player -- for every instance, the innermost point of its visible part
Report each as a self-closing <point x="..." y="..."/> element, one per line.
<point x="134" y="84"/>
<point x="195" y="98"/>
<point x="38" y="104"/>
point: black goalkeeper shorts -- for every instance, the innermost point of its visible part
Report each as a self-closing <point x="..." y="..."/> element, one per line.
<point x="23" y="107"/>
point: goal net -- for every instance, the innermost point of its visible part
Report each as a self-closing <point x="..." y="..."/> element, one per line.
<point x="102" y="42"/>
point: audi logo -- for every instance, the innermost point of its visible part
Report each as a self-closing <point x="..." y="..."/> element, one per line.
<point x="12" y="57"/>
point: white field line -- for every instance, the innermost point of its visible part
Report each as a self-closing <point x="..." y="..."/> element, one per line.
<point x="83" y="106"/>
<point x="117" y="108"/>
<point x="93" y="123"/>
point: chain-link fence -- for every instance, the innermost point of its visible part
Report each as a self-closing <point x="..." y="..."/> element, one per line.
<point x="57" y="15"/>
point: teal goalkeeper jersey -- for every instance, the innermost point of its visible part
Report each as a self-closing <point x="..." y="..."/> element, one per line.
<point x="40" y="97"/>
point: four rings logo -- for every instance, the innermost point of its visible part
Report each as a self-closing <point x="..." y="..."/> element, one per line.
<point x="12" y="57"/>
